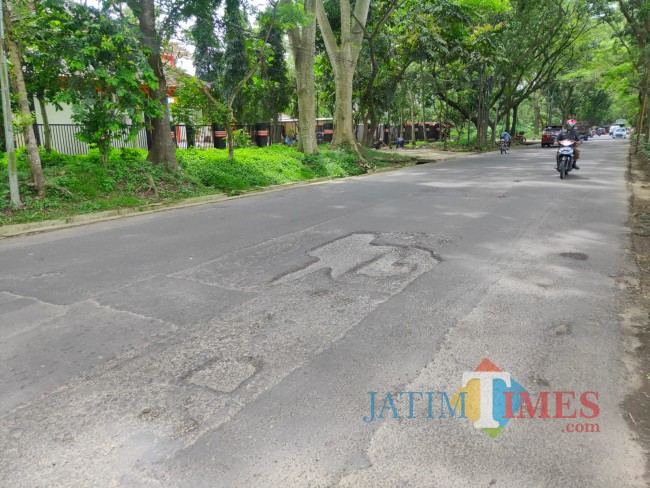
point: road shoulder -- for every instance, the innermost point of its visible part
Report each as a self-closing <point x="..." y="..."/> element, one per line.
<point x="636" y="318"/>
<point x="15" y="230"/>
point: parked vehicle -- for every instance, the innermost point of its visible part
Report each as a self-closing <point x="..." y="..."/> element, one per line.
<point x="549" y="135"/>
<point x="520" y="138"/>
<point x="565" y="157"/>
<point x="619" y="132"/>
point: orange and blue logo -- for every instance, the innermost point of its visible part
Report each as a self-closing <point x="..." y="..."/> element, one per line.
<point x="490" y="398"/>
<point x="484" y="394"/>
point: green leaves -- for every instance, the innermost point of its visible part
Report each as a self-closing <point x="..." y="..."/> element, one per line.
<point x="83" y="57"/>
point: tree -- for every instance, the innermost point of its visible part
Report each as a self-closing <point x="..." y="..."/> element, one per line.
<point x="26" y="119"/>
<point x="637" y="15"/>
<point x="344" y="59"/>
<point x="207" y="57"/>
<point x="382" y="69"/>
<point x="235" y="60"/>
<point x="276" y="93"/>
<point x="162" y="148"/>
<point x="302" y="38"/>
<point x="79" y="56"/>
<point x="226" y="108"/>
<point x="107" y="90"/>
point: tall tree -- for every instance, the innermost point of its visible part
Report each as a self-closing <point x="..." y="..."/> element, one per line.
<point x="162" y="149"/>
<point x="302" y="38"/>
<point x="235" y="60"/>
<point x="344" y="59"/>
<point x="207" y="57"/>
<point x="637" y="15"/>
<point x="23" y="103"/>
<point x="276" y="93"/>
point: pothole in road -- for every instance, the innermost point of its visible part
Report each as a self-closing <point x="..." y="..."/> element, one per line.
<point x="561" y="329"/>
<point x="574" y="255"/>
<point x="364" y="255"/>
<point x="224" y="376"/>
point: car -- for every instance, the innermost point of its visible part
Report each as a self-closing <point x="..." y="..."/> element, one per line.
<point x="619" y="132"/>
<point x="549" y="135"/>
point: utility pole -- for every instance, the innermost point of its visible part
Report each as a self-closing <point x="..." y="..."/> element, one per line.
<point x="8" y="123"/>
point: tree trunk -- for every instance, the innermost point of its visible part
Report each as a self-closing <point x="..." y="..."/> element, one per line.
<point x="23" y="105"/>
<point x="371" y="128"/>
<point x="514" y="120"/>
<point x="479" y="112"/>
<point x="445" y="128"/>
<point x="303" y="46"/>
<point x="410" y="93"/>
<point x="343" y="117"/>
<point x="639" y="125"/>
<point x="230" y="139"/>
<point x="538" y="117"/>
<point x="162" y="148"/>
<point x="190" y="135"/>
<point x="424" y="118"/>
<point x="47" y="130"/>
<point x="344" y="61"/>
<point x="645" y="108"/>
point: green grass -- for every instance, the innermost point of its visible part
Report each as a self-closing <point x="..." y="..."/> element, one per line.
<point x="81" y="184"/>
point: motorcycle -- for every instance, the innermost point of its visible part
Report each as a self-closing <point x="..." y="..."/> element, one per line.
<point x="503" y="146"/>
<point x="565" y="157"/>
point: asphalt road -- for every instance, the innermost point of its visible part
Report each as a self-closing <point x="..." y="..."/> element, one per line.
<point x="235" y="344"/>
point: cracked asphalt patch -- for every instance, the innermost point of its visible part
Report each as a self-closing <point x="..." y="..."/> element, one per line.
<point x="178" y="391"/>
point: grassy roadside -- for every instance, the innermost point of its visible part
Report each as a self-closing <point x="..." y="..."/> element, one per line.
<point x="638" y="402"/>
<point x="81" y="184"/>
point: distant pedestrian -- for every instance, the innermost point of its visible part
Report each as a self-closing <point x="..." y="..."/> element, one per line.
<point x="400" y="142"/>
<point x="287" y="140"/>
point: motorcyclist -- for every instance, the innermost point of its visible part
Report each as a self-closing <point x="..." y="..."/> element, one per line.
<point x="570" y="134"/>
<point x="506" y="137"/>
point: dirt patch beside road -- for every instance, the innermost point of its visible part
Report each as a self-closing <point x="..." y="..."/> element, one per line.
<point x="636" y="319"/>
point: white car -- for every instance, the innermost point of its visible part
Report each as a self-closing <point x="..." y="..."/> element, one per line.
<point x="619" y="132"/>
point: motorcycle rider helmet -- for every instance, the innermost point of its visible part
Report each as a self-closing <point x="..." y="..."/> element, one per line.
<point x="570" y="123"/>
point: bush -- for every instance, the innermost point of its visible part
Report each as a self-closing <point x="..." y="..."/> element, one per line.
<point x="242" y="138"/>
<point x="255" y="167"/>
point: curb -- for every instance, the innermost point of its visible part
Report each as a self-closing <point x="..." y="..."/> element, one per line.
<point x="15" y="230"/>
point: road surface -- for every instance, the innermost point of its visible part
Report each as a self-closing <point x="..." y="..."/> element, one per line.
<point x="236" y="344"/>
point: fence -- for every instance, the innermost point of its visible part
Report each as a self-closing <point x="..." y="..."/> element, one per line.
<point x="64" y="137"/>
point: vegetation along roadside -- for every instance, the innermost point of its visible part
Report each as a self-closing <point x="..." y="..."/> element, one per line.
<point x="82" y="184"/>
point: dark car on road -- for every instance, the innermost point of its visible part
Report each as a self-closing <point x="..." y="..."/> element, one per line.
<point x="549" y="135"/>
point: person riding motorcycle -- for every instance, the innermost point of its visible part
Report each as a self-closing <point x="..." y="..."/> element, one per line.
<point x="570" y="134"/>
<point x="506" y="137"/>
